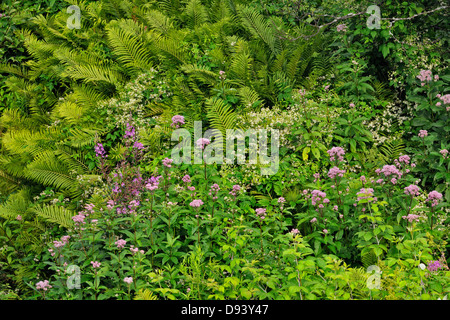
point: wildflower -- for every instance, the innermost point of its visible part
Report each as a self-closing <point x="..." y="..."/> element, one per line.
<point x="152" y="183"/>
<point x="222" y="75"/>
<point x="411" y="217"/>
<point x="335" y="171"/>
<point x="317" y="195"/>
<point x="444" y="153"/>
<point x="177" y="121"/>
<point x="336" y="151"/>
<point x="412" y="190"/>
<point x="138" y="145"/>
<point x="434" y="197"/>
<point x="134" y="249"/>
<point x="335" y="208"/>
<point x="295" y="231"/>
<point x="202" y="142"/>
<point x="79" y="218"/>
<point x="100" y="151"/>
<point x="316" y="176"/>
<point x="351" y="105"/>
<point x="128" y="280"/>
<point x="130" y="132"/>
<point x="261" y="212"/>
<point x="325" y="231"/>
<point x="281" y="200"/>
<point x="425" y="75"/>
<point x="19" y="217"/>
<point x="434" y="265"/>
<point x="110" y="204"/>
<point x="196" y="203"/>
<point x="43" y="285"/>
<point x="404" y="159"/>
<point x="95" y="264"/>
<point x="423" y="133"/>
<point x="313" y="220"/>
<point x="341" y="28"/>
<point x="167" y="162"/>
<point x="120" y="243"/>
<point x="65" y="239"/>
<point x="235" y="191"/>
<point x="445" y="98"/>
<point x="186" y="179"/>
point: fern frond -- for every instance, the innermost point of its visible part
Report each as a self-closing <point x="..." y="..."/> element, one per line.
<point x="145" y="294"/>
<point x="55" y="214"/>
<point x="129" y="50"/>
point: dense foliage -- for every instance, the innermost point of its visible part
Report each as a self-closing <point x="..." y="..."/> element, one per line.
<point x="93" y="206"/>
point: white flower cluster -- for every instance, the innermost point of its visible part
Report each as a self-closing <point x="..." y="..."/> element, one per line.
<point x="381" y="127"/>
<point x="129" y="106"/>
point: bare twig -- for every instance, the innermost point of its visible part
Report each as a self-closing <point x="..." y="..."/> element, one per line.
<point x="284" y="35"/>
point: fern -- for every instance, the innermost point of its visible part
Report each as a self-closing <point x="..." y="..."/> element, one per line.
<point x="220" y="115"/>
<point x="129" y="50"/>
<point x="55" y="214"/>
<point x="145" y="294"/>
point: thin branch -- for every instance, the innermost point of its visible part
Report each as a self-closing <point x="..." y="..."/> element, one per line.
<point x="283" y="35"/>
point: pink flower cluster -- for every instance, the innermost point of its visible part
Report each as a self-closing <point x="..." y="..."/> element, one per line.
<point x="128" y="280"/>
<point x="404" y="159"/>
<point x="445" y="98"/>
<point x="186" y="179"/>
<point x="261" y="212"/>
<point x="425" y="76"/>
<point x="295" y="231"/>
<point x="79" y="219"/>
<point x="152" y="183"/>
<point x="335" y="171"/>
<point x="423" y="133"/>
<point x="196" y="203"/>
<point x="177" y="121"/>
<point x="412" y="190"/>
<point x="235" y="191"/>
<point x="214" y="189"/>
<point x="444" y="153"/>
<point x="202" y="142"/>
<point x="100" y="151"/>
<point x="411" y="217"/>
<point x="341" y="28"/>
<point x="336" y="152"/>
<point x="62" y="243"/>
<point x="388" y="170"/>
<point x="434" y="197"/>
<point x="95" y="264"/>
<point x="167" y="162"/>
<point x="434" y="265"/>
<point x="135" y="250"/>
<point x="43" y="285"/>
<point x="319" y="196"/>
<point x="120" y="243"/>
<point x="130" y="132"/>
